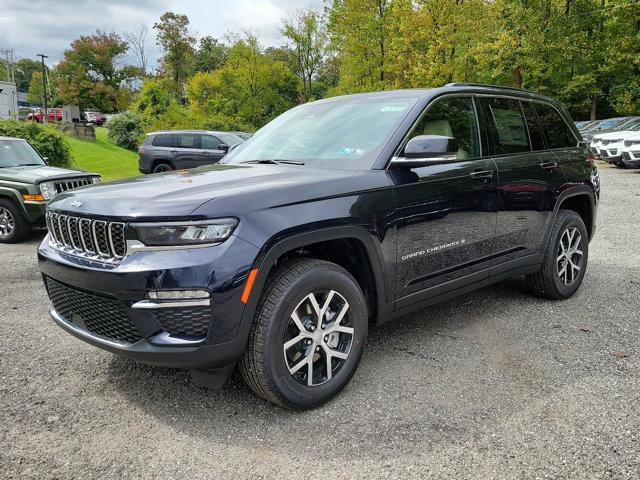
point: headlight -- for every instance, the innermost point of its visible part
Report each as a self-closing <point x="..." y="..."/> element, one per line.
<point x="185" y="233"/>
<point x="95" y="180"/>
<point x="48" y="190"/>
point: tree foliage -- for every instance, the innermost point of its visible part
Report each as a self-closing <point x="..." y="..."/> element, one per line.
<point x="89" y="75"/>
<point x="177" y="43"/>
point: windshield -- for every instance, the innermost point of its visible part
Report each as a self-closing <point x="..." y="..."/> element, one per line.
<point x="230" y="139"/>
<point x="633" y="124"/>
<point x="17" y="153"/>
<point x="341" y="133"/>
<point x="611" y="123"/>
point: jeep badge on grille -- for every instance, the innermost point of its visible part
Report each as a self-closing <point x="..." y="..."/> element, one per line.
<point x="75" y="204"/>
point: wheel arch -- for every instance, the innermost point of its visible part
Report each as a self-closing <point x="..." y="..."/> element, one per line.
<point x="366" y="266"/>
<point x="581" y="200"/>
<point x="15" y="197"/>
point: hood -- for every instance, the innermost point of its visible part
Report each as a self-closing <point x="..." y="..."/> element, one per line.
<point x="39" y="173"/>
<point x="230" y="188"/>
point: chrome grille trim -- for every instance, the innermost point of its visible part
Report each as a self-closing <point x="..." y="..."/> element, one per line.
<point x="70" y="184"/>
<point x="94" y="239"/>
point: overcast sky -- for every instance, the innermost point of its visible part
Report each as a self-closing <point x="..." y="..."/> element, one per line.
<point x="49" y="26"/>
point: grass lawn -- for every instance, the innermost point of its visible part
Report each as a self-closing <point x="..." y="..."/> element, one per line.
<point x="103" y="157"/>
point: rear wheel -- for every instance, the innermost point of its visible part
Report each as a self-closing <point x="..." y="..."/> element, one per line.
<point x="13" y="228"/>
<point x="565" y="258"/>
<point x="162" y="167"/>
<point x="308" y="335"/>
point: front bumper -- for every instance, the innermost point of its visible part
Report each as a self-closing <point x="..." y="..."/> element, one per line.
<point x="631" y="159"/>
<point x="102" y="305"/>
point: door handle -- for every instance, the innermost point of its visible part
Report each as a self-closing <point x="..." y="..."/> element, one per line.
<point x="204" y="152"/>
<point x="549" y="165"/>
<point x="481" y="174"/>
<point x="172" y="151"/>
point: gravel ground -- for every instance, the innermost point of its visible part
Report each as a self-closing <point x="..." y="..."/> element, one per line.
<point x="495" y="384"/>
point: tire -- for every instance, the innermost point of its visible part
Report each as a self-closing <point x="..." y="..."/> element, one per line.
<point x="549" y="282"/>
<point x="13" y="227"/>
<point x="162" y="167"/>
<point x="267" y="365"/>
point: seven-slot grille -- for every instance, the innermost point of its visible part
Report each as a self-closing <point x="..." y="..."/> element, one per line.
<point x="87" y="237"/>
<point x="70" y="184"/>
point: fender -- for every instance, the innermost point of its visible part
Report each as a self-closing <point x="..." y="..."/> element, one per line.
<point x="265" y="262"/>
<point x="16" y="197"/>
<point x="577" y="190"/>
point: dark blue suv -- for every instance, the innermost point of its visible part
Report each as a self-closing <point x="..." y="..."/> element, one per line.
<point x="337" y="216"/>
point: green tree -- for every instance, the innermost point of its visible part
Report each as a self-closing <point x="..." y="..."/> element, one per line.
<point x="251" y="87"/>
<point x="211" y="54"/>
<point x="306" y="31"/>
<point x="177" y="43"/>
<point x="360" y="33"/>
<point x="23" y="71"/>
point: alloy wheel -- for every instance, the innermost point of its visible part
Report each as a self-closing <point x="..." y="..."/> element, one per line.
<point x="7" y="222"/>
<point x="569" y="259"/>
<point x="318" y="337"/>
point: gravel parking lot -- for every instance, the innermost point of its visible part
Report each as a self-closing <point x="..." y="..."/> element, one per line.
<point x="495" y="384"/>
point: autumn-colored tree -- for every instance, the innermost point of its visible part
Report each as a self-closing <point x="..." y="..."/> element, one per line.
<point x="89" y="75"/>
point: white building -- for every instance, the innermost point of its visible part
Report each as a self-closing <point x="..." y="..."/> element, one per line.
<point x="8" y="100"/>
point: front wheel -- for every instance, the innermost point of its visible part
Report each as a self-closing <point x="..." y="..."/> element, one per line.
<point x="565" y="258"/>
<point x="13" y="228"/>
<point x="308" y="335"/>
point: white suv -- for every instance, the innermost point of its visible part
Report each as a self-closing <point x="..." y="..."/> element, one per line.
<point x="631" y="150"/>
<point x="609" y="145"/>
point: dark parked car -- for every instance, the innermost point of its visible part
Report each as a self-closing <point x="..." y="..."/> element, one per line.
<point x="27" y="184"/>
<point x="176" y="150"/>
<point x="337" y="216"/>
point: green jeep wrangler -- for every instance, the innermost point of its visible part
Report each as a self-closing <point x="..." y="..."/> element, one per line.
<point x="27" y="184"/>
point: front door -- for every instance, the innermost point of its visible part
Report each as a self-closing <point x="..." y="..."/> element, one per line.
<point x="445" y="214"/>
<point x="211" y="151"/>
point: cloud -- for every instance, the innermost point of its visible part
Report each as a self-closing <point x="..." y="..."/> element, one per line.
<point x="49" y="26"/>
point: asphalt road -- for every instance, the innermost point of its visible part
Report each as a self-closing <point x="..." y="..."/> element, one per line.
<point x="495" y="384"/>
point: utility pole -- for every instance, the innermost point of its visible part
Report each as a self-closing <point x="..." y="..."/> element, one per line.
<point x="8" y="55"/>
<point x="45" y="116"/>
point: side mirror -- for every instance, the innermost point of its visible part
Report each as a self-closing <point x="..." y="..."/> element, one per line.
<point x="46" y="160"/>
<point x="424" y="150"/>
<point x="224" y="147"/>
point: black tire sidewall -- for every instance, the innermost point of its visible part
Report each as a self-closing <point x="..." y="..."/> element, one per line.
<point x="162" y="164"/>
<point x="298" y="395"/>
<point x="571" y="220"/>
<point x="21" y="227"/>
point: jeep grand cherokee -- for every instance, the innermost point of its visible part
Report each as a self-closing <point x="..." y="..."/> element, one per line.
<point x="338" y="215"/>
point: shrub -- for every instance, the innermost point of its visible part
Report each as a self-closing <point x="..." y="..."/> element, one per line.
<point x="44" y="138"/>
<point x="125" y="129"/>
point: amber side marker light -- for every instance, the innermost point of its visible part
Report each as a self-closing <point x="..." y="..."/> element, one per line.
<point x="32" y="198"/>
<point x="247" y="286"/>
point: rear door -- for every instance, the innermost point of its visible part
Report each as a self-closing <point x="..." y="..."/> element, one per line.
<point x="571" y="155"/>
<point x="187" y="150"/>
<point x="529" y="175"/>
<point x="162" y="149"/>
<point x="446" y="213"/>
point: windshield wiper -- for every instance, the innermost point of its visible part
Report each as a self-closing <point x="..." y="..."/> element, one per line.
<point x="274" y="162"/>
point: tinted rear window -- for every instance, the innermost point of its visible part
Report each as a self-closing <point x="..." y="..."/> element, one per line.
<point x="162" y="140"/>
<point x="555" y="129"/>
<point x="535" y="132"/>
<point x="506" y="126"/>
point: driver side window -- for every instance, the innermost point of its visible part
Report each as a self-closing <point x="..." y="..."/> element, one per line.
<point x="453" y="117"/>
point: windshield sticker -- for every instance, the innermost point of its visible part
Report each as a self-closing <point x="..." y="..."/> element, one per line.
<point x="355" y="152"/>
<point x="392" y="108"/>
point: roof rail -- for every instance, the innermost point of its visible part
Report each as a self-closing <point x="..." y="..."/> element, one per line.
<point x="501" y="87"/>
